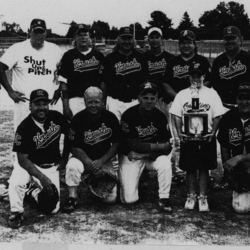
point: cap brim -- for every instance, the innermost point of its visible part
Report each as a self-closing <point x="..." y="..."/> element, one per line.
<point x="186" y="37"/>
<point x="40" y="99"/>
<point x="197" y="72"/>
<point x="38" y="28"/>
<point x="148" y="90"/>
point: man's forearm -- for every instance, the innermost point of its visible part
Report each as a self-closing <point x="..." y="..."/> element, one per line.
<point x="216" y="122"/>
<point x="111" y="153"/>
<point x="81" y="156"/>
<point x="169" y="90"/>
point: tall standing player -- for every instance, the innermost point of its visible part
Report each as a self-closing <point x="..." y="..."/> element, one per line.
<point x="80" y="68"/>
<point x="125" y="70"/>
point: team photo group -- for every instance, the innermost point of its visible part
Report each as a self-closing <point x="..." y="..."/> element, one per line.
<point x="107" y="118"/>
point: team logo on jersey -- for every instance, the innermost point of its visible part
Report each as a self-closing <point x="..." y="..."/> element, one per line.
<point x="71" y="134"/>
<point x="188" y="106"/>
<point x="37" y="67"/>
<point x="127" y="68"/>
<point x="17" y="139"/>
<point x="180" y="71"/>
<point x="148" y="131"/>
<point x="86" y="65"/>
<point x="96" y="136"/>
<point x="157" y="67"/>
<point x="234" y="69"/>
<point x="235" y="136"/>
<point x="124" y="127"/>
<point x="44" y="139"/>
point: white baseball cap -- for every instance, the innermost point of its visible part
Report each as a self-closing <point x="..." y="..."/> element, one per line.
<point x="154" y="29"/>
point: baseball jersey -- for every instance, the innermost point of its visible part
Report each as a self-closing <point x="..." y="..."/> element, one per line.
<point x="42" y="146"/>
<point x="94" y="137"/>
<point x="124" y="74"/>
<point x="209" y="102"/>
<point x="177" y="75"/>
<point x="33" y="69"/>
<point x="233" y="134"/>
<point x="228" y="74"/>
<point x="156" y="67"/>
<point x="150" y="129"/>
<point x="81" y="71"/>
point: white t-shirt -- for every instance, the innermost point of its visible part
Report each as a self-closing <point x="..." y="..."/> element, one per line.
<point x="209" y="101"/>
<point x="33" y="69"/>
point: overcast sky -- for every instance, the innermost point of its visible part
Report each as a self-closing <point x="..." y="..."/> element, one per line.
<point x="117" y="13"/>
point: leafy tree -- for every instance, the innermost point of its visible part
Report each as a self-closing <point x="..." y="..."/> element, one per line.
<point x="139" y="31"/>
<point x="159" y="19"/>
<point x="185" y="23"/>
<point x="71" y="30"/>
<point x="213" y="22"/>
<point x="100" y="29"/>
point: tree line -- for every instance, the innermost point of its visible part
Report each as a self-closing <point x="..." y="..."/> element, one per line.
<point x="210" y="26"/>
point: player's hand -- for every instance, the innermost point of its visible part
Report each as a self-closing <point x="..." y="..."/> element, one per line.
<point x="134" y="156"/>
<point x="182" y="136"/>
<point x="68" y="113"/>
<point x="231" y="163"/>
<point x="209" y="137"/>
<point x="96" y="165"/>
<point x="17" y="96"/>
<point x="47" y="185"/>
<point x="56" y="97"/>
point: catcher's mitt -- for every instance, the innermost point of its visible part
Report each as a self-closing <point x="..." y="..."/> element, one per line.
<point x="241" y="181"/>
<point x="47" y="203"/>
<point x="102" y="186"/>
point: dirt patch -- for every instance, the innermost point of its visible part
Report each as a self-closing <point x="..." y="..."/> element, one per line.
<point x="142" y="223"/>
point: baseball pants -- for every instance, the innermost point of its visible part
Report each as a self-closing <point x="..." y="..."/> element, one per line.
<point x="130" y="173"/>
<point x="18" y="186"/>
<point x="74" y="171"/>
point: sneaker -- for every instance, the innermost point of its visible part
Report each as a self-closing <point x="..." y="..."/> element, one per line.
<point x="165" y="206"/>
<point x="203" y="204"/>
<point x="15" y="220"/>
<point x="70" y="205"/>
<point x="191" y="201"/>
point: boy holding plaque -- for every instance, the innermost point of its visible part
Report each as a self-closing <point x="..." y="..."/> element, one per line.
<point x="197" y="112"/>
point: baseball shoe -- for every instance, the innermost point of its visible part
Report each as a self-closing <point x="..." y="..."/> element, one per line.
<point x="165" y="205"/>
<point x="203" y="204"/>
<point x="70" y="205"/>
<point x="190" y="202"/>
<point x="15" y="220"/>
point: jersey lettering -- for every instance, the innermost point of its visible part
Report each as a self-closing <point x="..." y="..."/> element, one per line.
<point x="17" y="139"/>
<point x="235" y="136"/>
<point x="127" y="68"/>
<point x="232" y="71"/>
<point x="85" y="65"/>
<point x="146" y="131"/>
<point x="157" y="67"/>
<point x="188" y="106"/>
<point x="96" y="136"/>
<point x="180" y="72"/>
<point x="44" y="139"/>
<point x="37" y="67"/>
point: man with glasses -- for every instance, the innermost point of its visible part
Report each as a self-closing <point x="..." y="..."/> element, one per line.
<point x="234" y="138"/>
<point x="228" y="70"/>
<point x="80" y="68"/>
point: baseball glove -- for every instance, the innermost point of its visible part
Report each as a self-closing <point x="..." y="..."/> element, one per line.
<point x="241" y="181"/>
<point x="103" y="185"/>
<point x="47" y="203"/>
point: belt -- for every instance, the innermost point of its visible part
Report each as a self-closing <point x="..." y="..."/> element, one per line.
<point x="47" y="165"/>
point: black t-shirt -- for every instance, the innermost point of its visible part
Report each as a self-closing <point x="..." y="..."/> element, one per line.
<point x="81" y="71"/>
<point x="156" y="67"/>
<point x="94" y="137"/>
<point x="177" y="75"/>
<point x="42" y="147"/>
<point x="228" y="74"/>
<point x="124" y="74"/>
<point x="152" y="129"/>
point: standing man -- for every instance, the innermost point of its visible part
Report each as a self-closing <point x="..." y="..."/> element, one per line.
<point x="80" y="68"/>
<point x="94" y="136"/>
<point x="145" y="144"/>
<point x="37" y="147"/>
<point x="125" y="71"/>
<point x="176" y="78"/>
<point x="34" y="64"/>
<point x="234" y="138"/>
<point x="157" y="60"/>
<point x="228" y="70"/>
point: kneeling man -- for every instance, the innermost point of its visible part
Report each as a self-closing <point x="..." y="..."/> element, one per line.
<point x="145" y="144"/>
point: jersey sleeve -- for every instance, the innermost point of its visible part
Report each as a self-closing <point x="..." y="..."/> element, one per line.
<point x="176" y="108"/>
<point x="208" y="70"/>
<point x="218" y="108"/>
<point x="75" y="136"/>
<point x="164" y="132"/>
<point x="223" y="133"/>
<point x="116" y="129"/>
<point x="21" y="141"/>
<point x="63" y="71"/>
<point x="9" y="57"/>
<point x="168" y="75"/>
<point x="128" y="130"/>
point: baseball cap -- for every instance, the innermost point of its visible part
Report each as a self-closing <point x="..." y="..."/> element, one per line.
<point x="187" y="34"/>
<point x="197" y="67"/>
<point x="148" y="87"/>
<point x="126" y="31"/>
<point x="244" y="87"/>
<point x="231" y="31"/>
<point x="154" y="29"/>
<point x="82" y="28"/>
<point x="37" y="24"/>
<point x="39" y="94"/>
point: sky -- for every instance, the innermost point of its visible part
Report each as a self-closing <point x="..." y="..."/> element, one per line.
<point x="116" y="13"/>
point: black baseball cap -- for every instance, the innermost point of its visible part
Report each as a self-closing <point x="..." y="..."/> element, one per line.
<point x="81" y="28"/>
<point x="37" y="24"/>
<point x="126" y="31"/>
<point x="197" y="67"/>
<point x="231" y="31"/>
<point x="187" y="34"/>
<point x="39" y="94"/>
<point x="244" y="87"/>
<point x="148" y="88"/>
